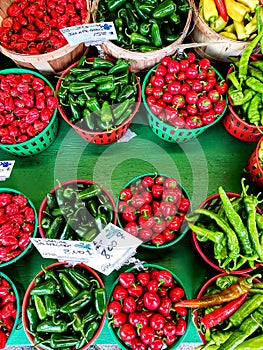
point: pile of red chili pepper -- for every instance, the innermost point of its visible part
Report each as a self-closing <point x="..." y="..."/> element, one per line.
<point x="17" y="225"/>
<point x="27" y="103"/>
<point x="186" y="92"/>
<point x="145" y="26"/>
<point x="153" y="209"/>
<point x="98" y="94"/>
<point x="141" y="309"/>
<point x="65" y="308"/>
<point x="231" y="233"/>
<point x="33" y="28"/>
<point x="229" y="313"/>
<point x="8" y="310"/>
<point x="76" y="212"/>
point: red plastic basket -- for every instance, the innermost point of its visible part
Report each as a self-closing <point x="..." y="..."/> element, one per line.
<point x="236" y="126"/>
<point x="213" y="203"/>
<point x="100" y="137"/>
<point x="240" y="129"/>
<point x="253" y="167"/>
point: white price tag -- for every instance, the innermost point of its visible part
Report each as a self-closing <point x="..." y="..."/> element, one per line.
<point x="6" y="167"/>
<point x="111" y="249"/>
<point x="90" y="34"/>
<point x="114" y="247"/>
<point x="65" y="250"/>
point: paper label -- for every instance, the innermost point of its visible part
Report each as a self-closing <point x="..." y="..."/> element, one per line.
<point x="90" y="33"/>
<point x="6" y="167"/>
<point x="108" y="251"/>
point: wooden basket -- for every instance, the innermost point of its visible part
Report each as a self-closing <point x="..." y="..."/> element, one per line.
<point x="142" y="61"/>
<point x="218" y="47"/>
<point x="49" y="63"/>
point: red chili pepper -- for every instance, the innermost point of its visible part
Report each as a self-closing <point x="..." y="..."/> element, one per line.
<point x="11" y="209"/>
<point x="20" y="200"/>
<point x="32" y="116"/>
<point x="221" y="7"/>
<point x="14" y="10"/>
<point x="3" y="339"/>
<point x="219" y="315"/>
<point x="5" y="198"/>
<point x="52" y="102"/>
<point x="24" y="240"/>
<point x="7" y="310"/>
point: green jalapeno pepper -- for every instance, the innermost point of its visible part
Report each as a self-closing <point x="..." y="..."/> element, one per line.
<point x="58" y="341"/>
<point x="89" y="333"/>
<point x="93" y="105"/>
<point x="40" y="307"/>
<point x="51" y="304"/>
<point x="147" y="8"/>
<point x="127" y="92"/>
<point x="114" y="5"/>
<point x="156" y="35"/>
<point x="100" y="300"/>
<point x="77" y="303"/>
<point x="44" y="288"/>
<point x="90" y="74"/>
<point x="101" y="63"/>
<point x="55" y="227"/>
<point x="79" y="277"/>
<point x="119" y="67"/>
<point x="123" y="117"/>
<point x="165" y="9"/>
<point x="75" y="110"/>
<point x="32" y="317"/>
<point x="106" y="113"/>
<point x="51" y="201"/>
<point x="77" y="87"/>
<point x="137" y="38"/>
<point x="46" y="223"/>
<point x="91" y="191"/>
<point x="106" y="87"/>
<point x="70" y="288"/>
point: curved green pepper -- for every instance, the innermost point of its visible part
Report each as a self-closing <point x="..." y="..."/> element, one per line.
<point x="165" y="9"/>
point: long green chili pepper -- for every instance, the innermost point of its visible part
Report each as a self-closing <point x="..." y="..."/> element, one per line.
<point x="246" y="309"/>
<point x="254" y="84"/>
<point x="79" y="277"/>
<point x="44" y="288"/>
<point x="156" y="35"/>
<point x="100" y="300"/>
<point x="70" y="288"/>
<point x="32" y="316"/>
<point x="59" y="341"/>
<point x="216" y="237"/>
<point x="253" y="110"/>
<point x="251" y="203"/>
<point x="51" y="304"/>
<point x="232" y="240"/>
<point x="243" y="66"/>
<point x="77" y="303"/>
<point x="40" y="307"/>
<point x="236" y="222"/>
<point x="89" y="333"/>
<point x="54" y="228"/>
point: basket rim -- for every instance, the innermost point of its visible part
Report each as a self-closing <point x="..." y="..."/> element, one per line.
<point x="194" y="130"/>
<point x="199" y="248"/>
<point x="33" y="139"/>
<point x="90" y="132"/>
<point x="178" y="280"/>
<point x="69" y="182"/>
<point x="183" y="233"/>
<point x="31" y="285"/>
<point x="11" y="190"/>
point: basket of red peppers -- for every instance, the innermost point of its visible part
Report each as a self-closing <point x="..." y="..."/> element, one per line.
<point x="30" y="33"/>
<point x="28" y="112"/>
<point x="141" y="312"/>
<point x="183" y="97"/>
<point x="152" y="207"/>
<point x="228" y="312"/>
<point x="9" y="309"/>
<point x="18" y="223"/>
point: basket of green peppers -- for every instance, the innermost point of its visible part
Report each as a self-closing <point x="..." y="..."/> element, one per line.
<point x="227" y="230"/>
<point x="228" y="312"/>
<point x="254" y="167"/>
<point x="76" y="210"/>
<point x="64" y="307"/>
<point x="146" y="30"/>
<point x="244" y="119"/>
<point x="98" y="98"/>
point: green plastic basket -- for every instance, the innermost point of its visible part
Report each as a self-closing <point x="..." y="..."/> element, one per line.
<point x="183" y="228"/>
<point x="45" y="138"/>
<point x="168" y="132"/>
<point x="30" y="245"/>
<point x="114" y="331"/>
<point x="18" y="318"/>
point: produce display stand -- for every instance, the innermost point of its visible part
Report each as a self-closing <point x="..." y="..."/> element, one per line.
<point x="214" y="159"/>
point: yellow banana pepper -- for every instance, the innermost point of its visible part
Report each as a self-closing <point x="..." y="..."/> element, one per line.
<point x="230" y="28"/>
<point x="218" y="25"/>
<point x="229" y="35"/>
<point x="240" y="30"/>
<point x="210" y="11"/>
<point x="236" y="10"/>
<point x="201" y="9"/>
<point x="249" y="3"/>
<point x="252" y="26"/>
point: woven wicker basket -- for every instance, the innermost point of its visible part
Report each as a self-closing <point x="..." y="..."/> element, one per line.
<point x="48" y="63"/>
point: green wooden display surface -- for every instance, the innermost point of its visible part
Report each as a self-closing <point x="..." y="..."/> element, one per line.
<point x="214" y="159"/>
